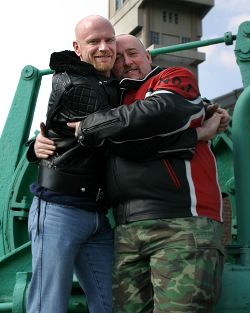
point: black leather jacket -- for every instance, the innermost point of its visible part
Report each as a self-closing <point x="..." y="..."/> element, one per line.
<point x="77" y="90"/>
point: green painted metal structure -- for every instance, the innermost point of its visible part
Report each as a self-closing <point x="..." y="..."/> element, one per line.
<point x="233" y="158"/>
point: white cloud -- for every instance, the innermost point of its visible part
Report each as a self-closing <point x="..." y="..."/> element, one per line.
<point x="220" y="55"/>
<point x="209" y="50"/>
<point x="227" y="59"/>
<point x="232" y="6"/>
<point x="235" y="21"/>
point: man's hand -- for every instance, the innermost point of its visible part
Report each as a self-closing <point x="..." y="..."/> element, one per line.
<point x="224" y="121"/>
<point x="225" y="117"/>
<point x="209" y="128"/>
<point x="43" y="147"/>
<point x="74" y="125"/>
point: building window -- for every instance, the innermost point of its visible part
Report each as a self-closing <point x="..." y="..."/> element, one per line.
<point x="164" y="16"/>
<point x="185" y="39"/>
<point x="118" y="4"/>
<point x="154" y="38"/>
<point x="176" y="18"/>
<point x="170" y="17"/>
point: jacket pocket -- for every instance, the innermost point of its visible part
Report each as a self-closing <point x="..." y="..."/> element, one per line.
<point x="172" y="173"/>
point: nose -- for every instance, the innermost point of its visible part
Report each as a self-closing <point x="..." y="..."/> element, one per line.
<point x="103" y="46"/>
<point x="127" y="60"/>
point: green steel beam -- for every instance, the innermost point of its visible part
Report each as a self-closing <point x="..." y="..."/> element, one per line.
<point x="6" y="307"/>
<point x="12" y="145"/>
<point x="14" y="135"/>
<point x="19" y="260"/>
<point x="240" y="136"/>
<point x="242" y="52"/>
<point x="241" y="160"/>
<point x="235" y="296"/>
<point x="227" y="39"/>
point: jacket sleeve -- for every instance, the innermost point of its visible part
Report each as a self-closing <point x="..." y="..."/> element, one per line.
<point x="172" y="105"/>
<point x="159" y="115"/>
<point x="181" y="145"/>
<point x="30" y="154"/>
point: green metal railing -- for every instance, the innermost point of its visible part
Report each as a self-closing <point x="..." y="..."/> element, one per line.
<point x="228" y="39"/>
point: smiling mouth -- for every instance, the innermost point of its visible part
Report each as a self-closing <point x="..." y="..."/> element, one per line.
<point x="103" y="56"/>
<point x="131" y="70"/>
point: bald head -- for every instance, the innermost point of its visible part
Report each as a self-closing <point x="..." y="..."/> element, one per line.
<point x="95" y="42"/>
<point x="132" y="60"/>
<point x="90" y="23"/>
<point x="130" y="39"/>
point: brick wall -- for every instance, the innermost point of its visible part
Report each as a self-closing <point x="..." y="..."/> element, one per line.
<point x="227" y="217"/>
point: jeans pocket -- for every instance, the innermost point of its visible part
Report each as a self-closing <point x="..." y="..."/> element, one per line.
<point x="33" y="214"/>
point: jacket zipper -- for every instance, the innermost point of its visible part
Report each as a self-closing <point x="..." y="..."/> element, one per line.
<point x="123" y="90"/>
<point x="172" y="174"/>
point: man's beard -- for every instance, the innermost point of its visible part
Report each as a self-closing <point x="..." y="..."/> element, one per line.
<point x="103" y="67"/>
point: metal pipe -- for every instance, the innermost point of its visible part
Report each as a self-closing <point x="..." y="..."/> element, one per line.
<point x="6" y="307"/>
<point x="241" y="158"/>
<point x="46" y="72"/>
<point x="228" y="39"/>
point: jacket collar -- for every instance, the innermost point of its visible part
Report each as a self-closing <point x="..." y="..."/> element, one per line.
<point x="129" y="83"/>
<point x="68" y="61"/>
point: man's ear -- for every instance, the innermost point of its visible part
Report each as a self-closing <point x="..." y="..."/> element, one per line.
<point x="76" y="48"/>
<point x="149" y="57"/>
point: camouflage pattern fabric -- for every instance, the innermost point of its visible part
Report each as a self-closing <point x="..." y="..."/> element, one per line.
<point x="167" y="265"/>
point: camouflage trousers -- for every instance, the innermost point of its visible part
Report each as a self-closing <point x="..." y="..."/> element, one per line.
<point x="167" y="265"/>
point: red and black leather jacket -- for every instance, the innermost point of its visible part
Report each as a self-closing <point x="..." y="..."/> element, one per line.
<point x="164" y="108"/>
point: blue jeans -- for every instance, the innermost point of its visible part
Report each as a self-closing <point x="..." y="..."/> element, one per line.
<point x="66" y="240"/>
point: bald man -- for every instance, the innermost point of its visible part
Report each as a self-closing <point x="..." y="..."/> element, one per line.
<point x="67" y="223"/>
